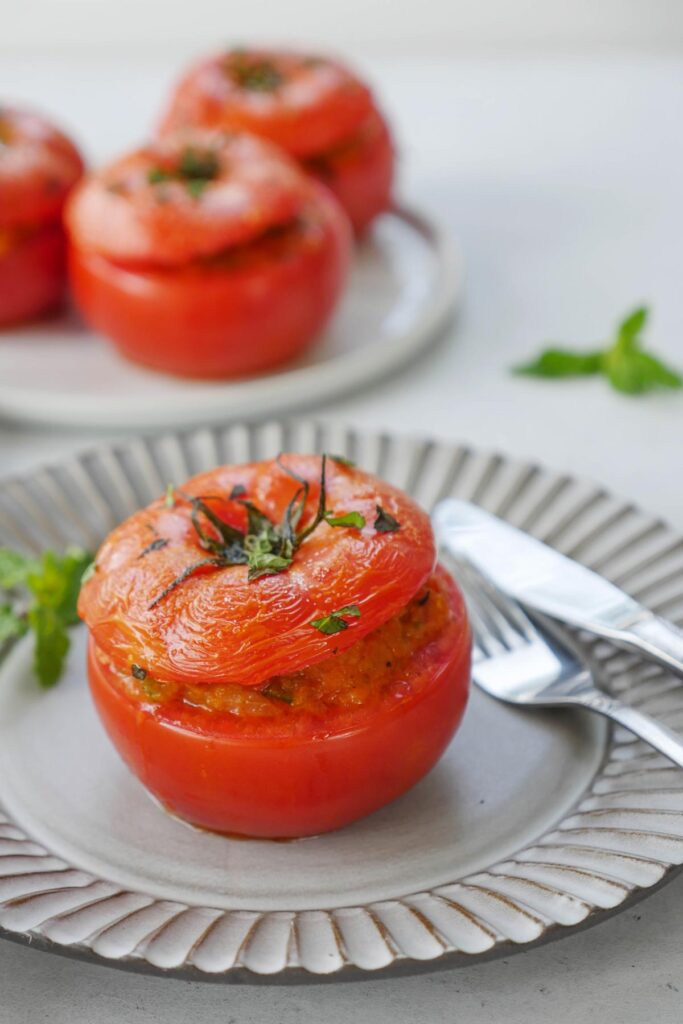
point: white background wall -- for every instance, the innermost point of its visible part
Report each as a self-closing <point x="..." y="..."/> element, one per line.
<point x="393" y="26"/>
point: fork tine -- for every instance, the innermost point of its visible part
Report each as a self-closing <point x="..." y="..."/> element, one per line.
<point x="496" y="617"/>
<point x="481" y="638"/>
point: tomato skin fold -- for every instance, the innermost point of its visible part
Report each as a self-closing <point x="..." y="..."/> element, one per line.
<point x="208" y="769"/>
<point x="221" y="320"/>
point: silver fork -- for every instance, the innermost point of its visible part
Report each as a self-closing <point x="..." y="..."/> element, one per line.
<point x="518" y="661"/>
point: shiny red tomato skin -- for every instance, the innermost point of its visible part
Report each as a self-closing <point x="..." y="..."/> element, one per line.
<point x="32" y="275"/>
<point x="316" y="104"/>
<point x="211" y="773"/>
<point x="360" y="174"/>
<point x="221" y="320"/>
<point x="39" y="166"/>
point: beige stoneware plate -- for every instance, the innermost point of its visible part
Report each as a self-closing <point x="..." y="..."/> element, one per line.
<point x="405" y="282"/>
<point x="533" y="824"/>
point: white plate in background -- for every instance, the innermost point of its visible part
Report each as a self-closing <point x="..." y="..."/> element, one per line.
<point x="405" y="282"/>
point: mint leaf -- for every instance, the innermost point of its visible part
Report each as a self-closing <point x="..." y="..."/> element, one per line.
<point x="335" y="621"/>
<point x="626" y="366"/>
<point x="559" y="362"/>
<point x="634" y="373"/>
<point x="49" y="586"/>
<point x="14" y="569"/>
<point x="658" y="373"/>
<point x="55" y="583"/>
<point x="51" y="643"/>
<point x="354" y="519"/>
<point x="631" y="327"/>
<point x="11" y="624"/>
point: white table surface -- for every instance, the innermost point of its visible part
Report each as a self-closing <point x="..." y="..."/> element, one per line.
<point x="562" y="181"/>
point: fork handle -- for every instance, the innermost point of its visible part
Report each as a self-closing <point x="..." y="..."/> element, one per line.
<point x="644" y="726"/>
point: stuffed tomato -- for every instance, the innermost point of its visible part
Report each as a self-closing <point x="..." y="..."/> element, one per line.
<point x="207" y="254"/>
<point x="273" y="650"/>
<point x="38" y="167"/>
<point x="314" y="108"/>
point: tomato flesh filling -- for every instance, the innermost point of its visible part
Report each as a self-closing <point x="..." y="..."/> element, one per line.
<point x="370" y="673"/>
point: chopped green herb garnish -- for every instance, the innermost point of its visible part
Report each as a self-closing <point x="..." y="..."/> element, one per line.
<point x="385" y="523"/>
<point x="41" y="595"/>
<point x="251" y="73"/>
<point x="195" y="168"/>
<point x="169" y="500"/>
<point x="139" y="672"/>
<point x="335" y="622"/>
<point x="354" y="519"/>
<point x="277" y="693"/>
<point x="266" y="548"/>
<point x="627" y="367"/>
<point x="198" y="164"/>
<point x="342" y="460"/>
<point x="155" y="175"/>
<point x="196" y="187"/>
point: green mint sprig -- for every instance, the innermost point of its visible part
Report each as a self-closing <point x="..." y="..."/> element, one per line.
<point x="625" y="364"/>
<point x="40" y="595"/>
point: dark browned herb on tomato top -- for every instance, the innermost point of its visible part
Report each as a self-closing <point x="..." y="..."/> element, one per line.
<point x="385" y="523"/>
<point x="139" y="672"/>
<point x="266" y="547"/>
<point x="195" y="168"/>
<point x="237" y="492"/>
<point x="156" y="545"/>
<point x="336" y="622"/>
<point x="255" y="74"/>
<point x="276" y="692"/>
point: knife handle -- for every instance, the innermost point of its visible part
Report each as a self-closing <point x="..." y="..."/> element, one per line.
<point x="656" y="639"/>
<point x="644" y="726"/>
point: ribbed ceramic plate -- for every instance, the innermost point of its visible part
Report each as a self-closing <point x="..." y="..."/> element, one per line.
<point x="405" y="282"/>
<point x="533" y="824"/>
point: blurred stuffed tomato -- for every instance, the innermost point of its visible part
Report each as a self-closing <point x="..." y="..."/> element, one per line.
<point x="273" y="651"/>
<point x="314" y="108"/>
<point x="206" y="254"/>
<point x="38" y="167"/>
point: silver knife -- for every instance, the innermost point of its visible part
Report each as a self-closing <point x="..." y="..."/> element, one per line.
<point x="544" y="580"/>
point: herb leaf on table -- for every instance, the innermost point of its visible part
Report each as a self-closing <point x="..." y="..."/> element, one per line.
<point x="40" y="594"/>
<point x="625" y="364"/>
